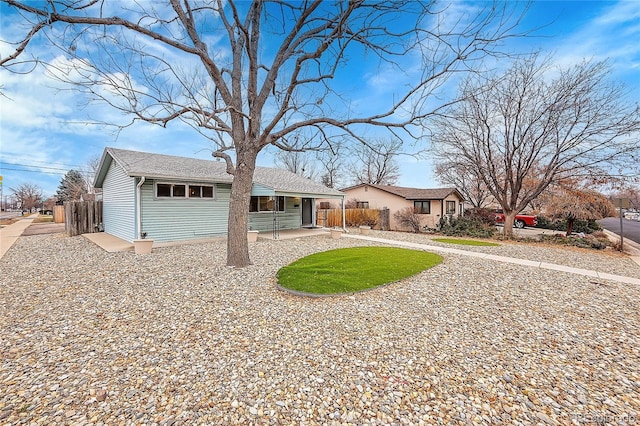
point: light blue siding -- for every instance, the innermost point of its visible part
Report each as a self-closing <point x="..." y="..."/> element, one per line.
<point x="258" y="190"/>
<point x="289" y="219"/>
<point x="118" y="206"/>
<point x="177" y="219"/>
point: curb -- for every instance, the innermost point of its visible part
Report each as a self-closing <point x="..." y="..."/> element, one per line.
<point x="630" y="247"/>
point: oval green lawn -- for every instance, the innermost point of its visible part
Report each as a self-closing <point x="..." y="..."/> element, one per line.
<point x="464" y="242"/>
<point x="354" y="269"/>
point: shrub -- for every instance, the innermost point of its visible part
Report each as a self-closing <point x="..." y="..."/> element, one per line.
<point x="482" y="215"/>
<point x="584" y="226"/>
<point x="359" y="217"/>
<point x="586" y="241"/>
<point x="467" y="226"/>
<point x="409" y="218"/>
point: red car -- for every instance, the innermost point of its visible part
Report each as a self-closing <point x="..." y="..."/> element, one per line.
<point x="521" y="220"/>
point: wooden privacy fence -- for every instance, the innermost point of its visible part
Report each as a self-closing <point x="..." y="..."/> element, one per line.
<point x="82" y="217"/>
<point x="330" y="218"/>
<point x="58" y="214"/>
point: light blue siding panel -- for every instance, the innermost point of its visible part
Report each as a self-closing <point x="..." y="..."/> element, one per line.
<point x="178" y="219"/>
<point x="257" y="190"/>
<point x="118" y="206"/>
<point x="289" y="219"/>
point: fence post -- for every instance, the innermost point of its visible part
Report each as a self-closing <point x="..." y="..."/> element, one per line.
<point x="384" y="219"/>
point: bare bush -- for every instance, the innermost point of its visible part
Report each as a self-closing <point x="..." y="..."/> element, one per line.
<point x="408" y="217"/>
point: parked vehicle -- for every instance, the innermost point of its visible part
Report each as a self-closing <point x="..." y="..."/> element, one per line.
<point x="632" y="216"/>
<point x="520" y="221"/>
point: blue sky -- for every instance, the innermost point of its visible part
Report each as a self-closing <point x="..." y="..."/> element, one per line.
<point x="45" y="131"/>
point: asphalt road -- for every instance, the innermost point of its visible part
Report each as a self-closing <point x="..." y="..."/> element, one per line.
<point x="631" y="228"/>
<point x="9" y="215"/>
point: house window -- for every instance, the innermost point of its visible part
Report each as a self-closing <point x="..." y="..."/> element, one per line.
<point x="451" y="207"/>
<point x="163" y="190"/>
<point x="362" y="204"/>
<point x="179" y="190"/>
<point x="422" y="207"/>
<point x="170" y="190"/>
<point x="266" y="204"/>
<point x="200" y="191"/>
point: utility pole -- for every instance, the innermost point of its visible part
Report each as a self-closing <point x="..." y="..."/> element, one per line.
<point x="621" y="231"/>
<point x="623" y="203"/>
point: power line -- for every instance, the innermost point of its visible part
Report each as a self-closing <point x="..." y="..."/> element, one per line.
<point x="38" y="161"/>
<point x="34" y="171"/>
<point x="37" y="167"/>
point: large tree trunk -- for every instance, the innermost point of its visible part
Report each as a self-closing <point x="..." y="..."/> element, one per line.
<point x="509" y="220"/>
<point x="237" y="244"/>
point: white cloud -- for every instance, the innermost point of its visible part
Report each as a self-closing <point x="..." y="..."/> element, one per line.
<point x="612" y="35"/>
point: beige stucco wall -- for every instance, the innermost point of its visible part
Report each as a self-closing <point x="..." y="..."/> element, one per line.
<point x="379" y="199"/>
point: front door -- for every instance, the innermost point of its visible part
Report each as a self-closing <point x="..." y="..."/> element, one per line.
<point x="307" y="212"/>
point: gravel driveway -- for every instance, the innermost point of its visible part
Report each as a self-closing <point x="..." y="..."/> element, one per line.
<point x="175" y="337"/>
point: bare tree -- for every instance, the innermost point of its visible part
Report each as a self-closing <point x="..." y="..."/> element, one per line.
<point x="375" y="162"/>
<point x="470" y="186"/>
<point x="251" y="74"/>
<point x="631" y="193"/>
<point x="299" y="162"/>
<point x="89" y="173"/>
<point x="521" y="131"/>
<point x="29" y="195"/>
<point x="332" y="162"/>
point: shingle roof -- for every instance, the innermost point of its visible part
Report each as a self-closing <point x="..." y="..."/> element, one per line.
<point x="160" y="166"/>
<point x="413" y="193"/>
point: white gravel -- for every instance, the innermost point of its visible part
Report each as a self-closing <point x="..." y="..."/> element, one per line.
<point x="176" y="337"/>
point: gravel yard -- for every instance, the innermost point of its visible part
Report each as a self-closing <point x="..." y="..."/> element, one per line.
<point x="176" y="337"/>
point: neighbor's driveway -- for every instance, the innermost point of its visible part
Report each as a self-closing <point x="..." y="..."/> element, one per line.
<point x="89" y="336"/>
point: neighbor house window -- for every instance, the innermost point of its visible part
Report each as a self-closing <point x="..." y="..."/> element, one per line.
<point x="362" y="204"/>
<point x="451" y="207"/>
<point x="181" y="190"/>
<point x="266" y="204"/>
<point x="422" y="207"/>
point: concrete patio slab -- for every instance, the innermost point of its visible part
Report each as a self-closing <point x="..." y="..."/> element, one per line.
<point x="113" y="244"/>
<point x="288" y="234"/>
<point x="109" y="242"/>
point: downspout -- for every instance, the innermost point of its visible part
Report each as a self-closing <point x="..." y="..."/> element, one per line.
<point x="344" y="216"/>
<point x="139" y="206"/>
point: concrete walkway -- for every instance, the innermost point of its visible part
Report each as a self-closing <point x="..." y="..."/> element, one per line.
<point x="10" y="233"/>
<point x="503" y="259"/>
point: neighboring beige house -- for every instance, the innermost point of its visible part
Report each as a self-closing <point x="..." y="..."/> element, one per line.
<point x="432" y="204"/>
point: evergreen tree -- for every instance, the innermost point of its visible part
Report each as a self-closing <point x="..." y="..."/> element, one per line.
<point x="72" y="187"/>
